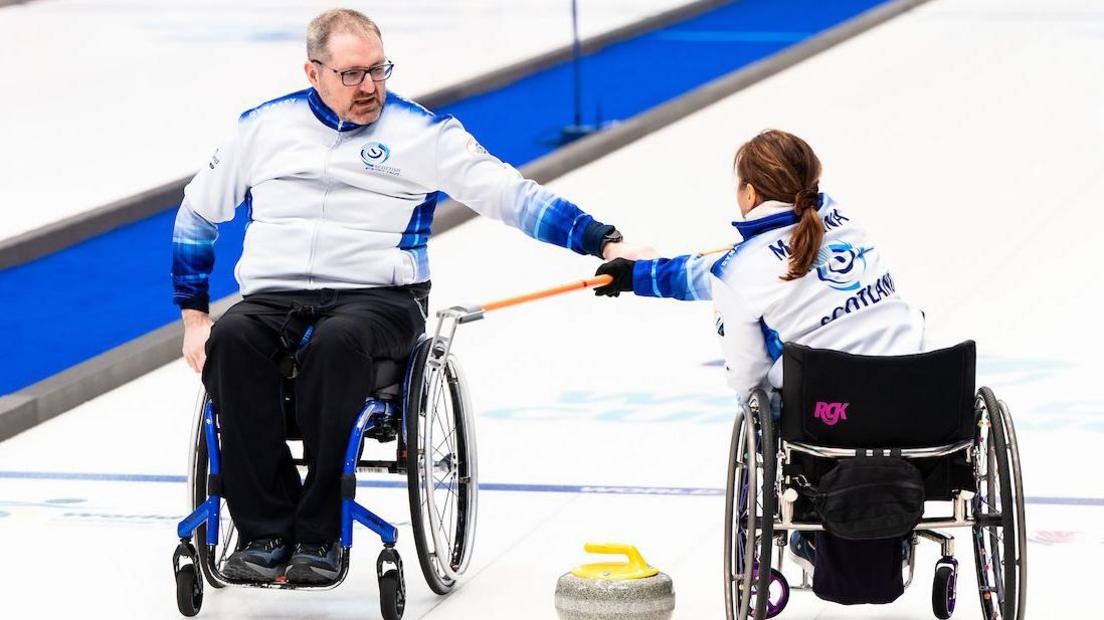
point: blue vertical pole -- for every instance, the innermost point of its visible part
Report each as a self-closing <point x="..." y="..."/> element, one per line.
<point x="576" y="64"/>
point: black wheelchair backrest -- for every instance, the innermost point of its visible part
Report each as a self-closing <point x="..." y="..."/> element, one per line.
<point x="836" y="399"/>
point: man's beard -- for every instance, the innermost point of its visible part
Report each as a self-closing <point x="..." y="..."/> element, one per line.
<point x="366" y="109"/>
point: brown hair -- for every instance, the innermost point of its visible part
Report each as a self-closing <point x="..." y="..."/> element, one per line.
<point x="781" y="166"/>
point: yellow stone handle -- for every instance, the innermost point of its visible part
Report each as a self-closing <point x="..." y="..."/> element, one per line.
<point x="636" y="561"/>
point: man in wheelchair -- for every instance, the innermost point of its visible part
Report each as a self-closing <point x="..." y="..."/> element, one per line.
<point x="340" y="182"/>
<point x="805" y="274"/>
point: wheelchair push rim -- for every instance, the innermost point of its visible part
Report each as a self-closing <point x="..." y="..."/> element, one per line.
<point x="749" y="516"/>
<point x="999" y="533"/>
<point x="441" y="467"/>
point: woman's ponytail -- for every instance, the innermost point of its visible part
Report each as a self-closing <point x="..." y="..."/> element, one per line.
<point x="807" y="236"/>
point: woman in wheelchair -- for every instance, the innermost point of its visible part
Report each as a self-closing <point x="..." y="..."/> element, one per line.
<point x="804" y="272"/>
<point x="809" y="316"/>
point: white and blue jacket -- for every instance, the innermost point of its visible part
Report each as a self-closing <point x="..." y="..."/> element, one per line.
<point x="333" y="204"/>
<point x="847" y="302"/>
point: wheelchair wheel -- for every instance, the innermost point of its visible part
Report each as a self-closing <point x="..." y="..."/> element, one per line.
<point x="442" y="480"/>
<point x="943" y="588"/>
<point x="189" y="591"/>
<point x="209" y="557"/>
<point x="999" y="533"/>
<point x="392" y="596"/>
<point x="750" y="503"/>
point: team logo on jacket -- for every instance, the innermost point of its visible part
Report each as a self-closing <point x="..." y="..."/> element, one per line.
<point x="374" y="155"/>
<point x="841" y="265"/>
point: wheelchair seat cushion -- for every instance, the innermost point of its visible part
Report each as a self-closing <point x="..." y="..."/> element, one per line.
<point x="386" y="386"/>
<point x="388" y="373"/>
<point x="836" y="399"/>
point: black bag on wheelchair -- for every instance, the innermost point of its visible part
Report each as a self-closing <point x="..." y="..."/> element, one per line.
<point x="870" y="498"/>
<point x="869" y="506"/>
<point x="858" y="572"/>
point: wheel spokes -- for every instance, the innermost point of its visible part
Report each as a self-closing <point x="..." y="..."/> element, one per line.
<point x="445" y="472"/>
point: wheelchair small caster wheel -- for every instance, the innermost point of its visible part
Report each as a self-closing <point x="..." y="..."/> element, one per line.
<point x="943" y="588"/>
<point x="392" y="595"/>
<point x="392" y="586"/>
<point x="778" y="591"/>
<point x="189" y="590"/>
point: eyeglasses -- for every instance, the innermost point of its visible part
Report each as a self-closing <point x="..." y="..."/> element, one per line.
<point x="354" y="77"/>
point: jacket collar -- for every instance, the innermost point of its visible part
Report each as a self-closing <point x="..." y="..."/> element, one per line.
<point x="328" y="117"/>
<point x="778" y="219"/>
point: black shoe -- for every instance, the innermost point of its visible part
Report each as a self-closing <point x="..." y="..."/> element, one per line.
<point x="313" y="563"/>
<point x="259" y="560"/>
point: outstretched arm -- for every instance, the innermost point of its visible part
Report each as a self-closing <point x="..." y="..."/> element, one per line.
<point x="683" y="277"/>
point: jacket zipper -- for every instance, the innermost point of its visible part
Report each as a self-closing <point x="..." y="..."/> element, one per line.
<point x="322" y="211"/>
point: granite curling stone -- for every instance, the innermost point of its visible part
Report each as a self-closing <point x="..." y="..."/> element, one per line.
<point x="630" y="590"/>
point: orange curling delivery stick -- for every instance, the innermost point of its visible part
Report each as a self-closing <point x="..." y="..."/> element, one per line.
<point x="577" y="285"/>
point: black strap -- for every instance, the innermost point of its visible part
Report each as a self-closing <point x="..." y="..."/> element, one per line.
<point x="297" y="328"/>
<point x="793" y="469"/>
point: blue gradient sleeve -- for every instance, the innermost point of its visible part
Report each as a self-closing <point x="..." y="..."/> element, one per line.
<point x="546" y="217"/>
<point x="682" y="277"/>
<point x="193" y="258"/>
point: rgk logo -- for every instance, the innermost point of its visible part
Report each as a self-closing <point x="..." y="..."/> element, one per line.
<point x="830" y="413"/>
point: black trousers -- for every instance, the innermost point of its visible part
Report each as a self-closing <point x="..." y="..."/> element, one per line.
<point x="243" y="374"/>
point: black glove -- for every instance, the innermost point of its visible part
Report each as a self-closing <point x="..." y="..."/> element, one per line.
<point x="621" y="270"/>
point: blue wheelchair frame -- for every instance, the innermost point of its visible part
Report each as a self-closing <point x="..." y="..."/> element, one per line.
<point x="375" y="413"/>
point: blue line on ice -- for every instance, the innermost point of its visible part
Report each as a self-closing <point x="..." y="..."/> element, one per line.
<point x="597" y="489"/>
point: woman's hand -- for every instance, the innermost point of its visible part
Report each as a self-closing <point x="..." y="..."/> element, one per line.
<point x="621" y="270"/>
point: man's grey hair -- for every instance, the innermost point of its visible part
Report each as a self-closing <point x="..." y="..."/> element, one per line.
<point x="333" y="21"/>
